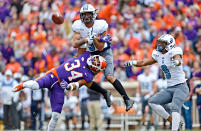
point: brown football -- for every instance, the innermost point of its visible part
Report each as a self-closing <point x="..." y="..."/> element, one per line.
<point x="57" y="18"/>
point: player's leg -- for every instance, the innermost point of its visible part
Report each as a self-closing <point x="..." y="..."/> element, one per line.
<point x="96" y="87"/>
<point x="180" y="94"/>
<point x="143" y="128"/>
<point x="116" y="83"/>
<point x="41" y="82"/>
<point x="57" y="101"/>
<point x="161" y="98"/>
<point x="152" y="128"/>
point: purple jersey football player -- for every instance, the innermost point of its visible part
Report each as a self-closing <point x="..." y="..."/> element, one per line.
<point x="71" y="75"/>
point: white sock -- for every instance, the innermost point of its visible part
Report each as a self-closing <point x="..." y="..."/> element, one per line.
<point x="159" y="110"/>
<point x="53" y="122"/>
<point x="33" y="85"/>
<point x="175" y="121"/>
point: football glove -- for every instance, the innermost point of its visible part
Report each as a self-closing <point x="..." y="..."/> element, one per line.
<point x="73" y="86"/>
<point x="130" y="63"/>
<point x="175" y="63"/>
<point x="106" y="38"/>
<point x="91" y="38"/>
<point x="64" y="84"/>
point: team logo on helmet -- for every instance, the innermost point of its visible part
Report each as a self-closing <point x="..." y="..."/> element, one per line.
<point x="96" y="63"/>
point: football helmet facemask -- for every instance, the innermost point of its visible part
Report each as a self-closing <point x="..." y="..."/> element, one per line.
<point x="96" y="63"/>
<point x="165" y="43"/>
<point x="86" y="18"/>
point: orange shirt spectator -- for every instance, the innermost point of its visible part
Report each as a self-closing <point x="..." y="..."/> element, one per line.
<point x="133" y="43"/>
<point x="59" y="42"/>
<point x="51" y="60"/>
<point x="169" y="20"/>
<point x="106" y="12"/>
<point x="14" y="66"/>
<point x="39" y="66"/>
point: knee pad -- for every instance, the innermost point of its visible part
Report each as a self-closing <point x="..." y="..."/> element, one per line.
<point x="55" y="116"/>
<point x="53" y="122"/>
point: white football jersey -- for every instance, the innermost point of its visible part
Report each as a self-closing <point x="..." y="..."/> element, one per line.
<point x="174" y="74"/>
<point x="99" y="27"/>
<point x="146" y="82"/>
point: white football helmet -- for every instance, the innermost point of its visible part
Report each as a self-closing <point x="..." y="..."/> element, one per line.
<point x="169" y="39"/>
<point x="87" y="8"/>
<point x="96" y="63"/>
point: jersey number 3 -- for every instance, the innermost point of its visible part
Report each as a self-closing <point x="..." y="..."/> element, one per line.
<point x="166" y="71"/>
<point x="74" y="74"/>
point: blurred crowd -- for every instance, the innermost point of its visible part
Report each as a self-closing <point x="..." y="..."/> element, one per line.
<point x="30" y="43"/>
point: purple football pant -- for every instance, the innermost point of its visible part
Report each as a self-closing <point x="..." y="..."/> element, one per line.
<point x="51" y="82"/>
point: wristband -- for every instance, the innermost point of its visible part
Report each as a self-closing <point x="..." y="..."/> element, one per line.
<point x="134" y="62"/>
<point x="77" y="85"/>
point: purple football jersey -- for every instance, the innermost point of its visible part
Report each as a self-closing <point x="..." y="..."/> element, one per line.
<point x="75" y="69"/>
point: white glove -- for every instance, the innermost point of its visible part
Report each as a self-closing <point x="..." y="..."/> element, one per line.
<point x="130" y="63"/>
<point x="73" y="85"/>
<point x="175" y="63"/>
<point x="91" y="38"/>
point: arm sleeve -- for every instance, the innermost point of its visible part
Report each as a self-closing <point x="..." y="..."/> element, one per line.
<point x="154" y="55"/>
<point x="177" y="51"/>
<point x="104" y="26"/>
<point x="75" y="26"/>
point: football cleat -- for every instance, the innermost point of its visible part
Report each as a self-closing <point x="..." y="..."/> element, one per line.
<point x="18" y="87"/>
<point x="180" y="126"/>
<point x="129" y="104"/>
<point x="107" y="98"/>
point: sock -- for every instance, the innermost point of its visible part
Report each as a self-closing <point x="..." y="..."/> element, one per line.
<point x="96" y="87"/>
<point x="53" y="122"/>
<point x="31" y="84"/>
<point x="175" y="121"/>
<point x="118" y="86"/>
<point x="159" y="110"/>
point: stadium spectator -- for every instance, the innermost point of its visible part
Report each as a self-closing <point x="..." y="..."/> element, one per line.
<point x="83" y="98"/>
<point x="146" y="88"/>
<point x="94" y="110"/>
<point x="71" y="110"/>
<point x="10" y="117"/>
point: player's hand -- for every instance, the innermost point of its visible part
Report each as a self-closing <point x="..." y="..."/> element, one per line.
<point x="90" y="38"/>
<point x="130" y="63"/>
<point x="73" y="86"/>
<point x="175" y="63"/>
<point x="64" y="84"/>
<point x="106" y="38"/>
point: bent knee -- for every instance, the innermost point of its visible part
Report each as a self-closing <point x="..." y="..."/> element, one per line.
<point x="174" y="107"/>
<point x="110" y="78"/>
<point x="151" y="101"/>
<point x="55" y="116"/>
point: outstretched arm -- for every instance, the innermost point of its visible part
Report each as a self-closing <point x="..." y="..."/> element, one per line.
<point x="140" y="63"/>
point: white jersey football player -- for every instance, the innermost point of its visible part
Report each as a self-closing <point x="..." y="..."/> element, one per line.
<point x="170" y="61"/>
<point x="91" y="35"/>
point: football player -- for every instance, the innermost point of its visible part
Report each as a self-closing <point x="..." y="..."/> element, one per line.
<point x="91" y="35"/>
<point x="170" y="61"/>
<point x="71" y="75"/>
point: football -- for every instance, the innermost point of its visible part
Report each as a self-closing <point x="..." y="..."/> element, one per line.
<point x="57" y="18"/>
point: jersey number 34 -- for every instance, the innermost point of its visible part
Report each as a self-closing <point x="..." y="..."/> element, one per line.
<point x="74" y="74"/>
